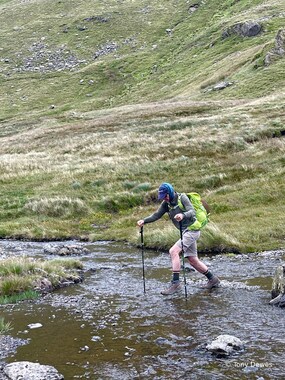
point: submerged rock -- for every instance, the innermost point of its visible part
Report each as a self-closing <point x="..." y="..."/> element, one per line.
<point x="225" y="345"/>
<point x="31" y="371"/>
<point x="66" y="250"/>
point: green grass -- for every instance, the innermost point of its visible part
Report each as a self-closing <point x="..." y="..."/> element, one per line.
<point x="88" y="145"/>
<point x="5" y="327"/>
<point x="20" y="277"/>
<point x="149" y="65"/>
<point x="14" y="298"/>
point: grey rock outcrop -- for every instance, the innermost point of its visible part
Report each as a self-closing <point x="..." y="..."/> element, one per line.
<point x="243" y="29"/>
<point x="108" y="48"/>
<point x="43" y="58"/>
<point x="279" y="49"/>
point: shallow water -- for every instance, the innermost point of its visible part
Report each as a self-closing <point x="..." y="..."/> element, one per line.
<point x="107" y="328"/>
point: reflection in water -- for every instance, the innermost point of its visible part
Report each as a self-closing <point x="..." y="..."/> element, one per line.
<point x="107" y="328"/>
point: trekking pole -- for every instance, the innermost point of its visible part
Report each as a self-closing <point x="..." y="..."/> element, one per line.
<point x="183" y="260"/>
<point x="142" y="245"/>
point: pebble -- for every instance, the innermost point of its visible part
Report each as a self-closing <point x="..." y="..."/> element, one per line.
<point x="35" y="325"/>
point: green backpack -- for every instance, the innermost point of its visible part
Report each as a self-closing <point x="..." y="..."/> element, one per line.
<point x="201" y="207"/>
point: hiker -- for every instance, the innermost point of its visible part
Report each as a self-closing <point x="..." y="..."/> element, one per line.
<point x="187" y="217"/>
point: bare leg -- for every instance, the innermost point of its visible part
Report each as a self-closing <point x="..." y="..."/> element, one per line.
<point x="176" y="266"/>
<point x="197" y="264"/>
<point x="213" y="281"/>
<point x="175" y="258"/>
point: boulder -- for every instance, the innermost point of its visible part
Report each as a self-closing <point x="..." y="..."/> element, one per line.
<point x="225" y="345"/>
<point x="193" y="8"/>
<point x="221" y="85"/>
<point x="278" y="287"/>
<point x="243" y="29"/>
<point x="33" y="371"/>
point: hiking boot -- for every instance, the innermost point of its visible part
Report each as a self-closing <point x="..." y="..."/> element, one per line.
<point x="173" y="288"/>
<point x="213" y="283"/>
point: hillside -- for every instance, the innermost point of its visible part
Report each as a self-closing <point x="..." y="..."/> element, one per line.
<point x="101" y="101"/>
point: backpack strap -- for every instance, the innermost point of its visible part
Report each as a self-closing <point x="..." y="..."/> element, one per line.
<point x="179" y="201"/>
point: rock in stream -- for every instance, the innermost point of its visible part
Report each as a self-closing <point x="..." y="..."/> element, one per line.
<point x="31" y="371"/>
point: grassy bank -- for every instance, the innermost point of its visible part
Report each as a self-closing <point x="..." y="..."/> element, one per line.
<point x="100" y="105"/>
<point x="25" y="278"/>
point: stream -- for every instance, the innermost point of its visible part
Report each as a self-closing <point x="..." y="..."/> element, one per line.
<point x="108" y="328"/>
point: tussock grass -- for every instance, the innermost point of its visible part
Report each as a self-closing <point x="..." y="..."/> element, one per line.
<point x="220" y="155"/>
<point x="56" y="207"/>
<point x="213" y="239"/>
<point x="5" y="327"/>
<point x="120" y="202"/>
<point x="20" y="276"/>
<point x="162" y="238"/>
<point x="163" y="235"/>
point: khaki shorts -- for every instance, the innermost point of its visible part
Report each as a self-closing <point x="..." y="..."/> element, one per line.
<point x="189" y="242"/>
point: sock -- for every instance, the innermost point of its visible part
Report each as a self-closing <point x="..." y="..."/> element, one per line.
<point x="175" y="277"/>
<point x="209" y="275"/>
